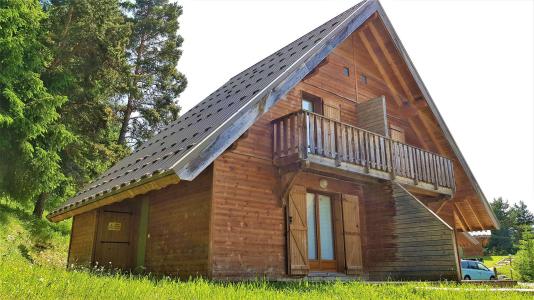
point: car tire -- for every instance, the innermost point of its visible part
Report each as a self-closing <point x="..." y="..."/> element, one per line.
<point x="492" y="278"/>
<point x="466" y="277"/>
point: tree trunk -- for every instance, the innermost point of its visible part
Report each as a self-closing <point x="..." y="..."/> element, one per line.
<point x="39" y="207"/>
<point x="130" y="105"/>
<point x="125" y="122"/>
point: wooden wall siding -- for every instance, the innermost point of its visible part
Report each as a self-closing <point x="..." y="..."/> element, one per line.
<point x="410" y="242"/>
<point x="178" y="228"/>
<point x="82" y="239"/>
<point x="248" y="223"/>
<point x="371" y="115"/>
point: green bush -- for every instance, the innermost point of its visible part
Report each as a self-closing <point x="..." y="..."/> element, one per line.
<point x="524" y="259"/>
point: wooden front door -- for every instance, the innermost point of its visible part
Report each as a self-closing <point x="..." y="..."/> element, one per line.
<point x="114" y="245"/>
<point x="320" y="235"/>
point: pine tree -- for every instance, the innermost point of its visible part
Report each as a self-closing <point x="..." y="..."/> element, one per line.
<point x="30" y="136"/>
<point x="524" y="259"/>
<point x="501" y="239"/>
<point x="88" y="39"/>
<point x="154" y="83"/>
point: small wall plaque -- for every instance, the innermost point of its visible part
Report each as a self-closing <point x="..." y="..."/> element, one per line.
<point x="114" y="226"/>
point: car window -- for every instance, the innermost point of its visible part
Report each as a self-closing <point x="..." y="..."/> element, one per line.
<point x="482" y="267"/>
<point x="472" y="265"/>
<point x="464" y="265"/>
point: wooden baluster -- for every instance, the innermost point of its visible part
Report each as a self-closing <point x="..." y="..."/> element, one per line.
<point x="351" y="144"/>
<point x="346" y="143"/>
<point x="280" y="138"/>
<point x="359" y="150"/>
<point x="440" y="168"/>
<point x="436" y="167"/>
<point x="312" y="135"/>
<point x="302" y="132"/>
<point x="319" y="135"/>
<point x="431" y="166"/>
<point x="333" y="137"/>
<point x="326" y="137"/>
<point x="366" y="151"/>
<point x="411" y="156"/>
<point x="275" y="140"/>
<point x="392" y="159"/>
<point x="415" y="165"/>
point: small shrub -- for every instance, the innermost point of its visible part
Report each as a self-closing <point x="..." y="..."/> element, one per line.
<point x="524" y="259"/>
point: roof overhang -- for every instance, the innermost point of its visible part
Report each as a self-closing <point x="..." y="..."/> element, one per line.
<point x="139" y="188"/>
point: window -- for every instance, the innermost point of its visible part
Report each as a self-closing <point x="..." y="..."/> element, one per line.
<point x="363" y="78"/>
<point x="482" y="267"/>
<point x="307" y="105"/>
<point x="346" y="71"/>
<point x="311" y="103"/>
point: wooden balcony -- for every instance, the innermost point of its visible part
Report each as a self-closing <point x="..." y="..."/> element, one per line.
<point x="332" y="145"/>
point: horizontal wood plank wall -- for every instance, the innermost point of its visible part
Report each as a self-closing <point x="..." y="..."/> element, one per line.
<point x="410" y="242"/>
<point x="248" y="228"/>
<point x="371" y="115"/>
<point x="178" y="228"/>
<point x="248" y="235"/>
<point x="82" y="239"/>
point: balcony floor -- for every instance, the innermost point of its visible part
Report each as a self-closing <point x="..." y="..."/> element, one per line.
<point x="331" y="166"/>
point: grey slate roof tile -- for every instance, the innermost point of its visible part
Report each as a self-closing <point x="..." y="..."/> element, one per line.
<point x="160" y="153"/>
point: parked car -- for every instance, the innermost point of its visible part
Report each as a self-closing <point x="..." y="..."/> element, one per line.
<point x="475" y="270"/>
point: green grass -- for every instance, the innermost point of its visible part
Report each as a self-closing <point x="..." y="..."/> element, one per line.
<point x="33" y="253"/>
<point x="491" y="261"/>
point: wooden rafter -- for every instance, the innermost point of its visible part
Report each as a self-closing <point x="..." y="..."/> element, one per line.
<point x="441" y="206"/>
<point x="461" y="217"/>
<point x="474" y="213"/>
<point x="380" y="67"/>
<point x="418" y="133"/>
<point x="391" y="62"/>
<point x="394" y="90"/>
<point x="428" y="126"/>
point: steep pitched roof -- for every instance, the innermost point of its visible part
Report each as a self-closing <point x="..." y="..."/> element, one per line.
<point x="191" y="143"/>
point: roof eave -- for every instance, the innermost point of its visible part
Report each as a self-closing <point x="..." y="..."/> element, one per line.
<point x="140" y="187"/>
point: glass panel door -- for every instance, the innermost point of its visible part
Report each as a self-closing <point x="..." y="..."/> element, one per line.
<point x="326" y="228"/>
<point x="320" y="232"/>
<point x="312" y="239"/>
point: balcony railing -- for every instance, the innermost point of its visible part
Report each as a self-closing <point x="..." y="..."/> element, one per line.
<point x="303" y="134"/>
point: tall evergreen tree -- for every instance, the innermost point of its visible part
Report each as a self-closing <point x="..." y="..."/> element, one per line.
<point x="154" y="83"/>
<point x="521" y="215"/>
<point x="30" y="136"/>
<point x="88" y="39"/>
<point x="512" y="218"/>
<point x="501" y="239"/>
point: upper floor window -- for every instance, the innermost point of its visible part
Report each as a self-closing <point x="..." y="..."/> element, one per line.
<point x="311" y="103"/>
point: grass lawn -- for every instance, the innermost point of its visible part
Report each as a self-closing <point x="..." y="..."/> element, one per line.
<point x="33" y="254"/>
<point x="491" y="261"/>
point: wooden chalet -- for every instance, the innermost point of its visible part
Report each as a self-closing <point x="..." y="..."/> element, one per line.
<point x="327" y="157"/>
